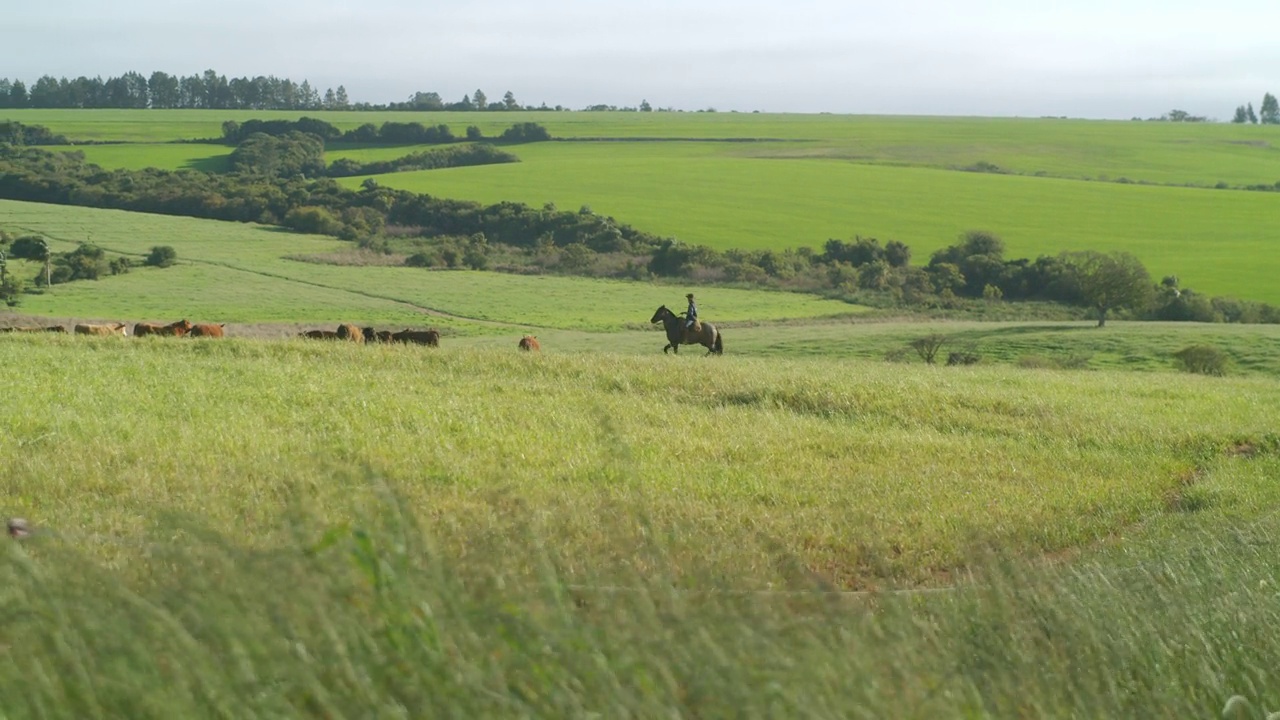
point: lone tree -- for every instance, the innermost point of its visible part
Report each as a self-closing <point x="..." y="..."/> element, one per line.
<point x="162" y="256"/>
<point x="1109" y="282"/>
<point x="1269" y="113"/>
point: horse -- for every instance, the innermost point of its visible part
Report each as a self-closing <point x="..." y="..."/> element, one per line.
<point x="704" y="334"/>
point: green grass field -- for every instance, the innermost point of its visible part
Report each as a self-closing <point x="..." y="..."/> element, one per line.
<point x="213" y="531"/>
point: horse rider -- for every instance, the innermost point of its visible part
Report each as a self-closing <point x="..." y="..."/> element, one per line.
<point x="690" y="315"/>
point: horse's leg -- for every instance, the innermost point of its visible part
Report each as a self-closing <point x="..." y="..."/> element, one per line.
<point x="665" y="349"/>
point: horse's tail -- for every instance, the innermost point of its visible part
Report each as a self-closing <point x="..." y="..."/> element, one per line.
<point x="718" y="348"/>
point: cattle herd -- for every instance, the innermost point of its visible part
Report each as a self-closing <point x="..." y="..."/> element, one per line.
<point x="184" y="328"/>
<point x="351" y="333"/>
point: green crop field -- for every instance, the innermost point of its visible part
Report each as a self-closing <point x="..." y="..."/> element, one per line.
<point x="789" y="181"/>
<point x="1215" y="241"/>
<point x="1168" y="153"/>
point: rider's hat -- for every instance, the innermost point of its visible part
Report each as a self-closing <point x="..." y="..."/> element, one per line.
<point x="690" y="296"/>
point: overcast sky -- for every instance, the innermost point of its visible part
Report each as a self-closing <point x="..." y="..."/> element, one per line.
<point x="1080" y="58"/>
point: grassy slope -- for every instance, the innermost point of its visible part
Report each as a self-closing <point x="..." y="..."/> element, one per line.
<point x="239" y="273"/>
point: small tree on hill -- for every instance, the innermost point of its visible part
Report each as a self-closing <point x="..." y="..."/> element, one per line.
<point x="928" y="346"/>
<point x="1109" y="282"/>
<point x="162" y="256"/>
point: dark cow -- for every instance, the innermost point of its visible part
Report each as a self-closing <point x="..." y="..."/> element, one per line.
<point x="347" y="331"/>
<point x="208" y="330"/>
<point x="102" y="330"/>
<point x="529" y="343"/>
<point x="422" y="337"/>
<point x="319" y="334"/>
<point x="34" y="329"/>
<point x="144" y="329"/>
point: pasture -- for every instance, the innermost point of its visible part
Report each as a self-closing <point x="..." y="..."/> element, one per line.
<point x="495" y="532"/>
<point x="759" y="181"/>
<point x="262" y="526"/>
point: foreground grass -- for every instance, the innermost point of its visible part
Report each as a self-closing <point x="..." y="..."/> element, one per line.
<point x="377" y="619"/>
<point x="244" y="529"/>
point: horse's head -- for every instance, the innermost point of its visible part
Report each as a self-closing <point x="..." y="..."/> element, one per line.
<point x="661" y="314"/>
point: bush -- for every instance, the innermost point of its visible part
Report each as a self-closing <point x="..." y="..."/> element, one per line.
<point x="928" y="346"/>
<point x="1202" y="360"/>
<point x="11" y="291"/>
<point x="162" y="256"/>
<point x="120" y="265"/>
<point x="421" y="260"/>
<point x="963" y="358"/>
<point x="28" y="247"/>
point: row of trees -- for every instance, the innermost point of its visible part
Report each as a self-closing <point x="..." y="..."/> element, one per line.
<point x="164" y="91"/>
<point x="211" y="90"/>
<point x="863" y="269"/>
<point x="389" y="133"/>
<point x="1269" y="113"/>
<point x="297" y="153"/>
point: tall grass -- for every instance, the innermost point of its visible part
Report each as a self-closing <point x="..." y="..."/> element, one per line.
<point x="377" y="618"/>
<point x="250" y="529"/>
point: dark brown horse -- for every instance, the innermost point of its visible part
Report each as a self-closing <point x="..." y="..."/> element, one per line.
<point x="702" y="333"/>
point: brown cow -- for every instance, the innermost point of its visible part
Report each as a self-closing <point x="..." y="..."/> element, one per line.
<point x="422" y="337"/>
<point x="347" y="331"/>
<point x="529" y="343"/>
<point x="22" y="328"/>
<point x="210" y="331"/>
<point x="175" y="329"/>
<point x="319" y="334"/>
<point x="112" y="329"/>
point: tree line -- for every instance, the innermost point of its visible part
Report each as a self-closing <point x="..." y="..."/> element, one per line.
<point x="389" y="133"/>
<point x="453" y="233"/>
<point x="214" y="91"/>
<point x="1269" y="113"/>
